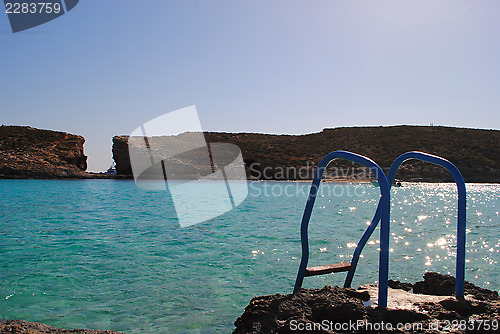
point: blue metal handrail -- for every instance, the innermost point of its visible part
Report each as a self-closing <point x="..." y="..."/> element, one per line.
<point x="461" y="219"/>
<point x="361" y="244"/>
<point x="383" y="214"/>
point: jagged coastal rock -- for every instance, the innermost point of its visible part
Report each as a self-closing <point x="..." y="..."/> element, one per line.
<point x="21" y="326"/>
<point x="429" y="308"/>
<point x="475" y="152"/>
<point x="27" y="152"/>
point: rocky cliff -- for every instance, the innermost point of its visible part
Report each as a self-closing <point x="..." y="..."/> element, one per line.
<point x="290" y="157"/>
<point x="26" y="152"/>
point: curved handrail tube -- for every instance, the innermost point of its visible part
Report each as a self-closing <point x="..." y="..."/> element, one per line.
<point x="361" y="244"/>
<point x="384" y="209"/>
<point x="461" y="219"/>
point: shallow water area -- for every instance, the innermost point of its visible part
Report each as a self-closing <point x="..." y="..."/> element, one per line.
<point x="106" y="254"/>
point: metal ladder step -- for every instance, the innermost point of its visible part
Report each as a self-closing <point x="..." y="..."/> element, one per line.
<point x="327" y="269"/>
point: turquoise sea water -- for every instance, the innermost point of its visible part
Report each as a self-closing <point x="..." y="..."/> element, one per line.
<point x="105" y="254"/>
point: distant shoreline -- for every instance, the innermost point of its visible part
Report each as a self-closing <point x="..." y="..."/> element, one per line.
<point x="30" y="153"/>
<point x="103" y="176"/>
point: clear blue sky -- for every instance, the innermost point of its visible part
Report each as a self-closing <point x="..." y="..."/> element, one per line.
<point x="284" y="66"/>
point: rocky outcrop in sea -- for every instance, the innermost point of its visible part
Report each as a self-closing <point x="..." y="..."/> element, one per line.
<point x="424" y="307"/>
<point x="27" y="152"/>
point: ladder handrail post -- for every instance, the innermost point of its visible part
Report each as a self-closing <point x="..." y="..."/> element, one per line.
<point x="383" y="270"/>
<point x="462" y="207"/>
<point x="385" y="217"/>
<point x="361" y="244"/>
<point x="305" y="224"/>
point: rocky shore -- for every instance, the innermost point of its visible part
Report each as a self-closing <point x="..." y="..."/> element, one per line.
<point x="424" y="307"/>
<point x="25" y="327"/>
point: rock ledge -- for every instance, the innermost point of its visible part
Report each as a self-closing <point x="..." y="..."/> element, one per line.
<point x="326" y="310"/>
<point x="21" y="326"/>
